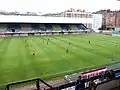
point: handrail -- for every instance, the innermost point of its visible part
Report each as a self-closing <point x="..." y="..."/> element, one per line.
<point x="46" y="83"/>
<point x="26" y="81"/>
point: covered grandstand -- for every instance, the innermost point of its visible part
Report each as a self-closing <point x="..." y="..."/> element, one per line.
<point x="40" y="27"/>
<point x="68" y="20"/>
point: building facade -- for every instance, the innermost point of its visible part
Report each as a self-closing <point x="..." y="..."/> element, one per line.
<point x="110" y="18"/>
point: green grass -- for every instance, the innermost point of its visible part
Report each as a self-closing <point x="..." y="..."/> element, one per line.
<point x="51" y="60"/>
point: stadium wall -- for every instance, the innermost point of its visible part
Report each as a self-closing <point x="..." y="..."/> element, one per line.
<point x="107" y="32"/>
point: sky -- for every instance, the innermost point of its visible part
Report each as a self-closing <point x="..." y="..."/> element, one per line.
<point x="47" y="6"/>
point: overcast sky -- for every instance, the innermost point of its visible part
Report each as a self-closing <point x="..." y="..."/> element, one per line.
<point x="57" y="5"/>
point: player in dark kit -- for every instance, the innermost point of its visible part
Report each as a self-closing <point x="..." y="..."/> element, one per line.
<point x="48" y="39"/>
<point x="33" y="53"/>
<point x="89" y="42"/>
<point x="67" y="50"/>
<point x="69" y="43"/>
<point x="47" y="42"/>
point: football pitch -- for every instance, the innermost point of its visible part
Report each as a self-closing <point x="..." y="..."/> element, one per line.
<point x="54" y="55"/>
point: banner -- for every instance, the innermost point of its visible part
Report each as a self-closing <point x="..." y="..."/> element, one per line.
<point x="93" y="73"/>
<point x="15" y="35"/>
<point x="37" y="34"/>
<point x="22" y="34"/>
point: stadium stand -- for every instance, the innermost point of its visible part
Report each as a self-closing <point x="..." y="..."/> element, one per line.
<point x="112" y="84"/>
<point x="117" y="74"/>
<point x="73" y="27"/>
<point x="13" y="26"/>
<point x="56" y="27"/>
<point x="115" y="66"/>
<point x="3" y="27"/>
<point x="81" y="26"/>
<point x="35" y="26"/>
<point x="108" y="80"/>
<point x="26" y="27"/>
<point x="48" y="26"/>
<point x="42" y="27"/>
<point x="65" y="27"/>
<point x="101" y="83"/>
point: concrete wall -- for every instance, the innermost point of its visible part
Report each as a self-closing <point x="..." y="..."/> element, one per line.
<point x="97" y="21"/>
<point x="111" y="85"/>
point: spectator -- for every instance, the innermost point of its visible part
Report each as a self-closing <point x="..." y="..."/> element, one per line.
<point x="110" y="75"/>
<point x="37" y="85"/>
<point x="78" y="80"/>
<point x="102" y="77"/>
<point x="80" y="85"/>
<point x="107" y="74"/>
<point x="92" y="84"/>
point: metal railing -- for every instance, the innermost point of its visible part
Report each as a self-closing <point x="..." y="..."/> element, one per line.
<point x="37" y="83"/>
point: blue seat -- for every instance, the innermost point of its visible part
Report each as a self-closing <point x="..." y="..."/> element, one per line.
<point x="81" y="26"/>
<point x="49" y="26"/>
<point x="117" y="74"/>
<point x="35" y="26"/>
<point x="13" y="26"/>
<point x="65" y="27"/>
